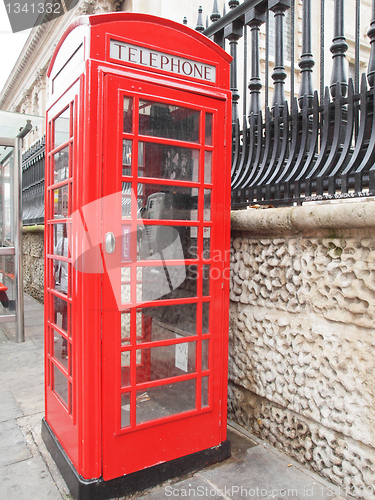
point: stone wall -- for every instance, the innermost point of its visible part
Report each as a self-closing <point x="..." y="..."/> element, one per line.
<point x="33" y="261"/>
<point x="302" y="338"/>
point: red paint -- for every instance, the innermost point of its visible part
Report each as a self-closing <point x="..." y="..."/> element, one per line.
<point x="103" y="419"/>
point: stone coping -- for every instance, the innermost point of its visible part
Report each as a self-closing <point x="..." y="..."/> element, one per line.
<point x="343" y="215"/>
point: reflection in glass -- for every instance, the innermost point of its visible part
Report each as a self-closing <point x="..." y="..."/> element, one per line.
<point x="207" y="166"/>
<point x="61" y="128"/>
<point x="61" y="165"/>
<point x="207" y="205"/>
<point x="126" y="200"/>
<point x="204" y="394"/>
<point x="60" y="231"/>
<point x="128" y="115"/>
<point x="125" y="328"/>
<point x="169" y="121"/>
<point x="125" y="369"/>
<point x="165" y="322"/>
<point x="60" y="385"/>
<point x="205" y="346"/>
<point x="206" y="280"/>
<point x="167" y="361"/>
<point x="60" y="312"/>
<point x="125" y="293"/>
<point x="168" y="202"/>
<point x="60" y="349"/>
<point x="166" y="282"/>
<point x="165" y="400"/>
<point x="126" y="157"/>
<point x="169" y="162"/>
<point x="125" y="409"/>
<point x="166" y="242"/>
<point x="61" y="202"/>
<point x="205" y="317"/>
<point x="208" y="130"/>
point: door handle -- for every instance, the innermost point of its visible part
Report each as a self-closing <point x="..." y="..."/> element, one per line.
<point x="110" y="242"/>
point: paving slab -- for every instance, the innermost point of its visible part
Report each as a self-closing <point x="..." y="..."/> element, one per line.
<point x="9" y="408"/>
<point x="27" y="480"/>
<point x="13" y="446"/>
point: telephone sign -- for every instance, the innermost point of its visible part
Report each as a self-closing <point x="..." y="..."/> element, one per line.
<point x="138" y="162"/>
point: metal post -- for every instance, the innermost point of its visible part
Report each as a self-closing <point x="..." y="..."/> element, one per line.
<point x="254" y="18"/>
<point x="18" y="250"/>
<point x="307" y="62"/>
<point x="371" y="35"/>
<point x="338" y="49"/>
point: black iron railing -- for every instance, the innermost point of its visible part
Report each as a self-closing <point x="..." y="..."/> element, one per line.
<point x="33" y="184"/>
<point x="318" y="144"/>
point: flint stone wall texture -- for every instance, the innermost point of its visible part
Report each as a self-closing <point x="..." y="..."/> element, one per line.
<point x="33" y="264"/>
<point x="302" y="337"/>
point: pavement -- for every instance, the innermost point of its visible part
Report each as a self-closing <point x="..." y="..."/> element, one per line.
<point x="27" y="471"/>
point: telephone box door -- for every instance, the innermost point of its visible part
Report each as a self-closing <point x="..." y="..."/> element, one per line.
<point x="164" y="236"/>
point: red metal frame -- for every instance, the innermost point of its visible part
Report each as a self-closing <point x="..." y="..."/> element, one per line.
<point x="88" y="426"/>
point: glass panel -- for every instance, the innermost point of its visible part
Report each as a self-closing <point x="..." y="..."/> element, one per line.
<point x="61" y="165"/>
<point x="205" y="317"/>
<point x="125" y="328"/>
<point x="60" y="349"/>
<point x="126" y="157"/>
<point x="204" y="394"/>
<point x="165" y="322"/>
<point x="169" y="162"/>
<point x="205" y="347"/>
<point x="168" y="202"/>
<point x="166" y="242"/>
<point x="208" y="130"/>
<point x="6" y="197"/>
<point x="206" y="242"/>
<point x="128" y="115"/>
<point x="207" y="205"/>
<point x="7" y="297"/>
<point x="125" y="294"/>
<point x="167" y="361"/>
<point x="60" y="312"/>
<point x="125" y="410"/>
<point x="169" y="121"/>
<point x="166" y="282"/>
<point x="165" y="400"/>
<point x="61" y="128"/>
<point x="60" y="385"/>
<point x="60" y="231"/>
<point x="207" y="166"/>
<point x="206" y="280"/>
<point x="126" y="200"/>
<point x="61" y="202"/>
<point x="125" y="368"/>
<point x="141" y="162"/>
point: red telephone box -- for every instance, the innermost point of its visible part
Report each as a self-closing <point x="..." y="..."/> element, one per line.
<point x="136" y="238"/>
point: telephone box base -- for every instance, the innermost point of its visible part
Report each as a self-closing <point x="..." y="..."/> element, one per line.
<point x="98" y="489"/>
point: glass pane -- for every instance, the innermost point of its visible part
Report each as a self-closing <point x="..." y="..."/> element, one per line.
<point x="60" y="231"/>
<point x="125" y="328"/>
<point x="167" y="361"/>
<point x="205" y="317"/>
<point x="208" y="130"/>
<point x="60" y="349"/>
<point x="126" y="157"/>
<point x="165" y="120"/>
<point x="207" y="205"/>
<point x="7" y="297"/>
<point x="128" y="115"/>
<point x="126" y="200"/>
<point x="166" y="282"/>
<point x="60" y="312"/>
<point x="6" y="197"/>
<point x="125" y="369"/>
<point x="125" y="293"/>
<point x="206" y="242"/>
<point x="166" y="242"/>
<point x="61" y="165"/>
<point x="205" y="347"/>
<point x="61" y="202"/>
<point x="168" y="202"/>
<point x="207" y="166"/>
<point x="165" y="322"/>
<point x="125" y="410"/>
<point x="62" y="128"/>
<point x="165" y="400"/>
<point x="60" y="385"/>
<point x="206" y="280"/>
<point x="204" y="395"/>
<point x="168" y="162"/>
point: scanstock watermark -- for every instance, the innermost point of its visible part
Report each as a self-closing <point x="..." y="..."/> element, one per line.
<point x="25" y="14"/>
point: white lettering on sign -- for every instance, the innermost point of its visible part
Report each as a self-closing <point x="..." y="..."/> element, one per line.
<point x="143" y="56"/>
